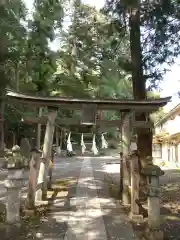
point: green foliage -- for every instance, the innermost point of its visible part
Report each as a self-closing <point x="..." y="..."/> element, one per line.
<point x="12" y="35"/>
<point x="158" y="115"/>
<point x="94" y="55"/>
<point x="87" y="64"/>
<point x="26" y="60"/>
<point x="160" y="26"/>
<point x="47" y="17"/>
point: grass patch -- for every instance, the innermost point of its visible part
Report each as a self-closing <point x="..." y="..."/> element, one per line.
<point x="58" y="187"/>
<point x="32" y="220"/>
<point x="63" y="184"/>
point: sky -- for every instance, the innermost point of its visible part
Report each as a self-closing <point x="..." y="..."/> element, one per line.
<point x="171" y="82"/>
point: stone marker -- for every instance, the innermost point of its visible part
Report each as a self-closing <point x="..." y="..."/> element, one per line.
<point x="25" y="149"/>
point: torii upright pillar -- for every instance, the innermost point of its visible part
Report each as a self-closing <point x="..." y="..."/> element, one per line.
<point x="126" y="135"/>
<point x="48" y="140"/>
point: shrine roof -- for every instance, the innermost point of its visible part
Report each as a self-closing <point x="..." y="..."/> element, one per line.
<point x="172" y="113"/>
<point x="109" y="104"/>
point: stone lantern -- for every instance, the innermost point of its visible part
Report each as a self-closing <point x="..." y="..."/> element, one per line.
<point x="153" y="172"/>
<point x="13" y="183"/>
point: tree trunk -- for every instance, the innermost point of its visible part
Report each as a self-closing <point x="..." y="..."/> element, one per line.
<point x="144" y="136"/>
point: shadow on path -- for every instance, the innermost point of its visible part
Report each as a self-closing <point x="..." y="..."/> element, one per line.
<point x="86" y="213"/>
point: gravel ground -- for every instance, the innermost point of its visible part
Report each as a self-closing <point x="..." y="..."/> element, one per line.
<point x="170" y="200"/>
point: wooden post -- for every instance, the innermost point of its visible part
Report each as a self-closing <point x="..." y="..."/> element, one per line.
<point x="57" y="137"/>
<point x="33" y="174"/>
<point x="48" y="140"/>
<point x="38" y="139"/>
<point x="135" y="178"/>
<point x="50" y="169"/>
<point x="121" y="161"/>
<point x="58" y="149"/>
<point x="121" y="174"/>
<point x="2" y="124"/>
<point x="126" y="182"/>
<point x="14" y="139"/>
<point x="126" y="146"/>
<point x="61" y="138"/>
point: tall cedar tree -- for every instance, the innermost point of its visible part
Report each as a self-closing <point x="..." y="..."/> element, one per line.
<point x="153" y="30"/>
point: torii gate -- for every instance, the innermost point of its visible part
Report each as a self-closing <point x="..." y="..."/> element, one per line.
<point x="90" y="107"/>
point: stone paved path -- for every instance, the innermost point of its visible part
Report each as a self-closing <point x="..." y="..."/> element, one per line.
<point x="87" y="213"/>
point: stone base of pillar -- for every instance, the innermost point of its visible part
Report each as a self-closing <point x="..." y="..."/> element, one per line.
<point x="125" y="197"/>
<point x="154" y="234"/>
<point x="58" y="150"/>
<point x="38" y="196"/>
<point x="45" y="188"/>
<point x="2" y="162"/>
<point x="13" y="230"/>
<point x="154" y="217"/>
<point x="39" y="203"/>
<point x="136" y="217"/>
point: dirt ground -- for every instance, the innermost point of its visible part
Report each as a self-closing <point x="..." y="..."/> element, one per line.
<point x="170" y="205"/>
<point x="170" y="201"/>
